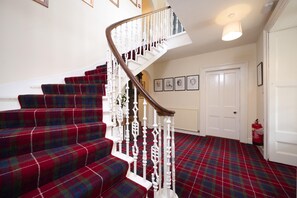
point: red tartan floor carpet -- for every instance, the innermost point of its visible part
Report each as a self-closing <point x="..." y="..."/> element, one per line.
<point x="218" y="167"/>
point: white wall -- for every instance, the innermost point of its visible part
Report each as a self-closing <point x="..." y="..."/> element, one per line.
<point x="39" y="43"/>
<point x="189" y="100"/>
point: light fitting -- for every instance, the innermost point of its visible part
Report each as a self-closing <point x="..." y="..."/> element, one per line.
<point x="232" y="31"/>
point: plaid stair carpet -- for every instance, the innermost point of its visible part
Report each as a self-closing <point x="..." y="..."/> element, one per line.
<point x="55" y="145"/>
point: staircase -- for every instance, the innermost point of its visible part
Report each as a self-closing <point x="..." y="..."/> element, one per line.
<point x="76" y="140"/>
<point x="55" y="145"/>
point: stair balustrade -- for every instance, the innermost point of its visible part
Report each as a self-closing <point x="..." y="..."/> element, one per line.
<point x="129" y="40"/>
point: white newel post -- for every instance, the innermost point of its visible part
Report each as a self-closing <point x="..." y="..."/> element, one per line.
<point x="168" y="190"/>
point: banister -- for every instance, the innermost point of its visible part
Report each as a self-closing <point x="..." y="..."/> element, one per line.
<point x="160" y="110"/>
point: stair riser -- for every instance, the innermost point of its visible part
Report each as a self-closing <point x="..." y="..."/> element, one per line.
<point x="96" y="89"/>
<point x="49" y="138"/>
<point x="60" y="101"/>
<point x="54" y="167"/>
<point x="98" y="79"/>
<point x="42" y="117"/>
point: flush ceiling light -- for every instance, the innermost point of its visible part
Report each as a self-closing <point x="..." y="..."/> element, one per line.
<point x="232" y="31"/>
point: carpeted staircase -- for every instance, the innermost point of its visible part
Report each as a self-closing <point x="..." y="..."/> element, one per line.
<point x="55" y="145"/>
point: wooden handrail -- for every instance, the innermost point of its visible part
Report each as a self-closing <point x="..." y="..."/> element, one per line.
<point x="160" y="110"/>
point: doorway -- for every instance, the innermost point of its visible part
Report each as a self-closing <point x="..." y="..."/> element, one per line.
<point x="223" y="102"/>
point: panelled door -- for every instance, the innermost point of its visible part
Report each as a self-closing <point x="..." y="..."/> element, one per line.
<point x="282" y="96"/>
<point x="222" y="103"/>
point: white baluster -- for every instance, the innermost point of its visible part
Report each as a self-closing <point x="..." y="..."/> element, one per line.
<point x="144" y="131"/>
<point x="135" y="131"/>
<point x="109" y="79"/>
<point x="160" y="151"/>
<point x="120" y="110"/>
<point x="153" y="30"/>
<point x="156" y="156"/>
<point x="173" y="154"/>
<point x="167" y="157"/>
<point x="113" y="97"/>
<point x="127" y="135"/>
<point x="170" y="22"/>
<point x="144" y="41"/>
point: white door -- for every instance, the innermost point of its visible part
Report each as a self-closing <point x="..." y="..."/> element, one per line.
<point x="282" y="97"/>
<point x="222" y="103"/>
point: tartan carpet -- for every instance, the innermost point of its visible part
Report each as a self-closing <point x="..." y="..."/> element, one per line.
<point x="218" y="167"/>
<point x="55" y="145"/>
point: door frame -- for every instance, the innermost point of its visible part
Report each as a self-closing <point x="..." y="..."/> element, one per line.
<point x="243" y="109"/>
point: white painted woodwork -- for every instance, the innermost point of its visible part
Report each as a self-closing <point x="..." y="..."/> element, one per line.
<point x="223" y="119"/>
<point x="282" y="106"/>
<point x="222" y="104"/>
<point x="152" y="30"/>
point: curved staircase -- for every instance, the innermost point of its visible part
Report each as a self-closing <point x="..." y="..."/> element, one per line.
<point x="55" y="145"/>
<point x="76" y="140"/>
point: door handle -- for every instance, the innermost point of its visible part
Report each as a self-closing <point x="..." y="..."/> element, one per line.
<point x="234" y="112"/>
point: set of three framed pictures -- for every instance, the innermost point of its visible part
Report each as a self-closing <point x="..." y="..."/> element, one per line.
<point x="180" y="83"/>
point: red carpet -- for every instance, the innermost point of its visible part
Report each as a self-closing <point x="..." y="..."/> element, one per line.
<point x="218" y="167"/>
<point x="55" y="145"/>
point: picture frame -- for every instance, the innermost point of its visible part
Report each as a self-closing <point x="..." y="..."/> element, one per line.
<point x="193" y="82"/>
<point x="260" y="74"/>
<point x="168" y="84"/>
<point x="134" y="2"/>
<point x="179" y="83"/>
<point x="42" y="2"/>
<point x="158" y="85"/>
<point x="115" y="2"/>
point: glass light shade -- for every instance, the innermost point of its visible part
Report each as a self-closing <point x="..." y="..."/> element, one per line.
<point x="232" y="31"/>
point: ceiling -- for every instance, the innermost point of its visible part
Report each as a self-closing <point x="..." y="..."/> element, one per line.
<point x="204" y="22"/>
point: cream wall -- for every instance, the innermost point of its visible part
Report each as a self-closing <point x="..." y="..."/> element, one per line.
<point x="182" y="101"/>
<point x="44" y="45"/>
<point x="38" y="41"/>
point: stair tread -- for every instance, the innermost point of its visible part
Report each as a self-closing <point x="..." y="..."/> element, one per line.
<point x="90" y="181"/>
<point x="60" y="101"/>
<point x="48" y="116"/>
<point x="98" y="78"/>
<point x="125" y="188"/>
<point x="98" y="89"/>
<point x="17" y="141"/>
<point x="52" y="164"/>
<point x="47" y="109"/>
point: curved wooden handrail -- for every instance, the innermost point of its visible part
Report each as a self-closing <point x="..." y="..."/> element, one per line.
<point x="160" y="110"/>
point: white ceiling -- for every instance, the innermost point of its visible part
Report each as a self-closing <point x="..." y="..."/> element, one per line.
<point x="204" y="22"/>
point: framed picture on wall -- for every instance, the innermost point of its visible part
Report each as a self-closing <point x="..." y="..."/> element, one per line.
<point x="193" y="82"/>
<point x="158" y="85"/>
<point x="115" y="2"/>
<point x="168" y="84"/>
<point x="260" y="74"/>
<point x="179" y="83"/>
<point x="42" y="2"/>
<point x="89" y="2"/>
